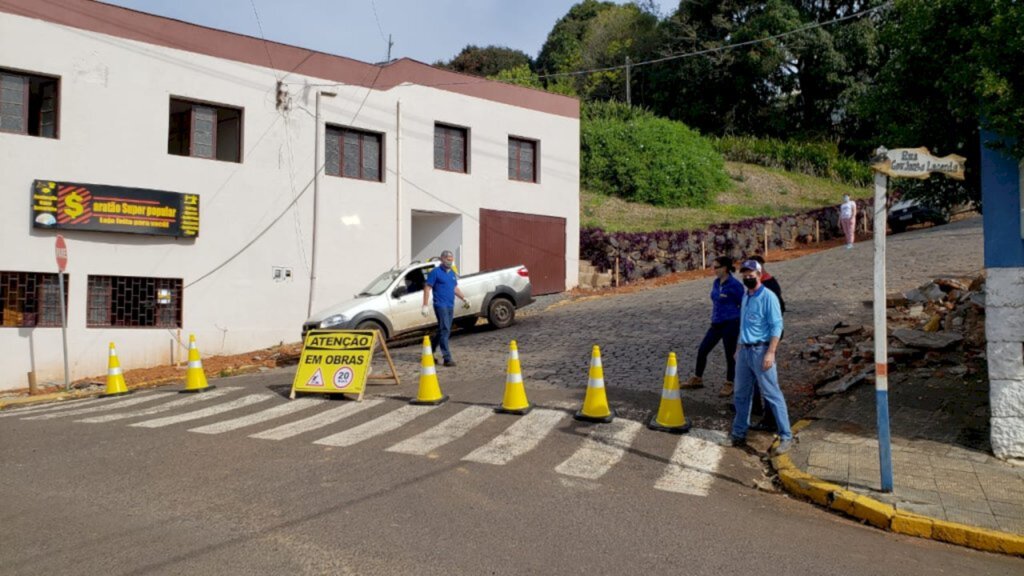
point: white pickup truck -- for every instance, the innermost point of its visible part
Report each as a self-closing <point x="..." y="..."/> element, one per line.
<point x="392" y="302"/>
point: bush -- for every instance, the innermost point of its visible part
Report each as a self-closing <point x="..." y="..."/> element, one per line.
<point x="814" y="158"/>
<point x="630" y="153"/>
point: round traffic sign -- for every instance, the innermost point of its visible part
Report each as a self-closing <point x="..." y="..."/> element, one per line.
<point x="62" y="253"/>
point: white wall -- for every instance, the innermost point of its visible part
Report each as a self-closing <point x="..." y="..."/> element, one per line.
<point x="255" y="215"/>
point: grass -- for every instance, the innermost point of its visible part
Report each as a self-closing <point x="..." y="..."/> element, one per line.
<point x="756" y="192"/>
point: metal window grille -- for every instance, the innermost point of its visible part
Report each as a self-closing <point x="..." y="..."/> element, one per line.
<point x="522" y="160"/>
<point x="31" y="299"/>
<point x="133" y="302"/>
<point x="450" y="148"/>
<point x="14" y="103"/>
<point x="353" y="154"/>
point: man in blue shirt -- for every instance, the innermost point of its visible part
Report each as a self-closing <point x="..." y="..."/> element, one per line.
<point x="760" y="330"/>
<point x="443" y="283"/>
<point x="726" y="297"/>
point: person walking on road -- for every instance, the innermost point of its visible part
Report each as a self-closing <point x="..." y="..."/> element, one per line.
<point x="760" y="330"/>
<point x="726" y="296"/>
<point x="443" y="284"/>
<point x="848" y="219"/>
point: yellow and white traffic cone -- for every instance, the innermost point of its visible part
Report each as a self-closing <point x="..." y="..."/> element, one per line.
<point x="195" y="378"/>
<point x="595" y="403"/>
<point x="115" y="378"/>
<point x="670" y="416"/>
<point x="430" y="390"/>
<point x="515" y="401"/>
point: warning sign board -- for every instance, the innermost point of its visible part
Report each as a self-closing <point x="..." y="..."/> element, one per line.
<point x="337" y="361"/>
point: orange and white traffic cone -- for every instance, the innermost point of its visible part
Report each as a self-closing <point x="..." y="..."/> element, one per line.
<point x="670" y="416"/>
<point x="115" y="378"/>
<point x="515" y="401"/>
<point x="430" y="390"/>
<point x="595" y="403"/>
<point x="195" y="378"/>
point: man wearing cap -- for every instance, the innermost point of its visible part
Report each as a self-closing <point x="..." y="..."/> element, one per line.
<point x="443" y="283"/>
<point x="760" y="330"/>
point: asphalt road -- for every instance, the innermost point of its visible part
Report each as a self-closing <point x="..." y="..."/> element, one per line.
<point x="138" y="485"/>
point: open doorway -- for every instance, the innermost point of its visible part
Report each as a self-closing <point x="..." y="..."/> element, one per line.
<point x="433" y="232"/>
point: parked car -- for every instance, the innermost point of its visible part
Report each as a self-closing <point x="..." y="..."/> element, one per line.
<point x="392" y="302"/>
<point x="904" y="213"/>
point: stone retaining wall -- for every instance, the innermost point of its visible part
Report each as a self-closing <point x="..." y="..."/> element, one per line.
<point x="653" y="254"/>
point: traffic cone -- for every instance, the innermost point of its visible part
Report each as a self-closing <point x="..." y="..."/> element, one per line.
<point x="670" y="416"/>
<point x="195" y="378"/>
<point x="595" y="404"/>
<point x="515" y="401"/>
<point x="115" y="378"/>
<point x="430" y="391"/>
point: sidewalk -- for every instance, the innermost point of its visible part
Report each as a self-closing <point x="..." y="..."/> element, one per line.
<point x="946" y="485"/>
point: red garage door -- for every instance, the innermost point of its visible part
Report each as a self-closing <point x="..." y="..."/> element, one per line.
<point x="511" y="238"/>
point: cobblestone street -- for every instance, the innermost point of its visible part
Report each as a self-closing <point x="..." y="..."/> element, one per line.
<point x="636" y="331"/>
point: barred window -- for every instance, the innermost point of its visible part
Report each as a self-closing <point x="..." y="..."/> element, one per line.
<point x="204" y="131"/>
<point x="28" y="104"/>
<point x="31" y="299"/>
<point x="353" y="154"/>
<point x="132" y="302"/>
<point x="450" y="145"/>
<point x="522" y="159"/>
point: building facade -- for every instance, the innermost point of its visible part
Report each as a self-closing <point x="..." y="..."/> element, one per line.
<point x="217" y="184"/>
<point x="1003" y="201"/>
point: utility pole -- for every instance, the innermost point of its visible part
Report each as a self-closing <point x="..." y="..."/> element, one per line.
<point x="390" y="44"/>
<point x="629" y="95"/>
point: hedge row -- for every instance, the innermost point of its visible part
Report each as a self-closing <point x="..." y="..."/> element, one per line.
<point x="820" y="159"/>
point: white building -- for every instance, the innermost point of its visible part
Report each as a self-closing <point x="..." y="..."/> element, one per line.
<point x="100" y="106"/>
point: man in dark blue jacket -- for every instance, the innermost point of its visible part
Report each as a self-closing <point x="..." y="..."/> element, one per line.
<point x="726" y="298"/>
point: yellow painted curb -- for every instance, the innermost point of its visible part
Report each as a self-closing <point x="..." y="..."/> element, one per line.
<point x="886" y="516"/>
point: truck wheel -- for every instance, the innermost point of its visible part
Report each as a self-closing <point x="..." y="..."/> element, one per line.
<point x="372" y="325"/>
<point x="501" y="313"/>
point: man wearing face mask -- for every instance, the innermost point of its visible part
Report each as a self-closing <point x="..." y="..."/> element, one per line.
<point x="760" y="330"/>
<point x="443" y="283"/>
<point x="848" y="219"/>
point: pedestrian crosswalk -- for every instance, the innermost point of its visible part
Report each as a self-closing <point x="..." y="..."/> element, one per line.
<point x="691" y="469"/>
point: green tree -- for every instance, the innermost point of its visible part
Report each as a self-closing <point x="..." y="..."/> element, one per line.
<point x="948" y="66"/>
<point x="486" y="61"/>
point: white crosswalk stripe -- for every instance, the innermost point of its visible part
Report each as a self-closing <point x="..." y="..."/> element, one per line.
<point x="278" y="411"/>
<point x="601" y="450"/>
<point x="450" y="430"/>
<point x="386" y="423"/>
<point x="518" y="439"/>
<point x="205" y="412"/>
<point x="316" y="421"/>
<point x="65" y="405"/>
<point x="110" y="404"/>
<point x="190" y="399"/>
<point x="693" y="464"/>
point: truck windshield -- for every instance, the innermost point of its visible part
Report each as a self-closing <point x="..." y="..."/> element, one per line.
<point x="380" y="283"/>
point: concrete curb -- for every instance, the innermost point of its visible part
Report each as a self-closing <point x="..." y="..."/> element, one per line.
<point x="886" y="516"/>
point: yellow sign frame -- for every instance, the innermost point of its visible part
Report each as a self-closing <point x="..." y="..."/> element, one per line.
<point x="339" y="362"/>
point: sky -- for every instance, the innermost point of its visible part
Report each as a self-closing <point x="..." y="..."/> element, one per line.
<point x="424" y="30"/>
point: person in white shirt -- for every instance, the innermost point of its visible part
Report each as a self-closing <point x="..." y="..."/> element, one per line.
<point x="848" y="219"/>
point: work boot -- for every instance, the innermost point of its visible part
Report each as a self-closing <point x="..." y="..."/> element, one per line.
<point x="726" y="390"/>
<point x="693" y="383"/>
<point x="449" y="362"/>
<point x="737" y="442"/>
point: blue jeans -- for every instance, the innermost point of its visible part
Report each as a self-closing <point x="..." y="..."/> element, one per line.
<point x="749" y="374"/>
<point x="444" y="330"/>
